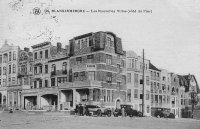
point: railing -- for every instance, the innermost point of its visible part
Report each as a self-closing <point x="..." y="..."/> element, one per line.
<point x="84" y="67"/>
<point x="58" y="72"/>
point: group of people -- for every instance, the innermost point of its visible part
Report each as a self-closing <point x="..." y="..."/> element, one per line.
<point x="79" y="110"/>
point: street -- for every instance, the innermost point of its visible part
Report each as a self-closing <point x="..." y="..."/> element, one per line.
<point x="22" y="120"/>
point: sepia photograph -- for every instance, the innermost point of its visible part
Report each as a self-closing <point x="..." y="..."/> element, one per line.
<point x="99" y="64"/>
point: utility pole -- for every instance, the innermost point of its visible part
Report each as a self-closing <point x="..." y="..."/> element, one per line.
<point x="143" y="66"/>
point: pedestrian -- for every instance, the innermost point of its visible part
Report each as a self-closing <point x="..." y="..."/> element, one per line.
<point x="81" y="110"/>
<point x="84" y="109"/>
<point x="123" y="113"/>
<point x="76" y="109"/>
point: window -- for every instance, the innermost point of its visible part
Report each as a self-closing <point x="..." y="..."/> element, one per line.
<point x="90" y="58"/>
<point x="82" y="75"/>
<point x="40" y="68"/>
<point x="136" y="78"/>
<point x="79" y="60"/>
<point x="108" y="41"/>
<point x="53" y="69"/>
<point x="35" y="84"/>
<point x="46" y="68"/>
<point x="148" y="108"/>
<point x="147" y="95"/>
<point x="128" y="77"/>
<point x="4" y="70"/>
<point x="129" y="63"/>
<point x="46" y="83"/>
<point x="35" y="70"/>
<point x="35" y="55"/>
<point x="123" y="79"/>
<point x="0" y="70"/>
<point x="108" y="59"/>
<point x="64" y="68"/>
<point x="40" y="54"/>
<point x="9" y="56"/>
<point x="147" y="80"/>
<point x="108" y="96"/>
<point x="14" y="55"/>
<point x="78" y="45"/>
<point x="129" y="95"/>
<point x="9" y="69"/>
<point x="13" y="80"/>
<point x="4" y="82"/>
<point x="52" y="81"/>
<point x="91" y="75"/>
<point x="123" y="64"/>
<point x="90" y="42"/>
<point x="109" y="77"/>
<point x="158" y="74"/>
<point x="40" y="83"/>
<point x="14" y="68"/>
<point x="46" y="53"/>
<point x="25" y="81"/>
<point x="135" y="93"/>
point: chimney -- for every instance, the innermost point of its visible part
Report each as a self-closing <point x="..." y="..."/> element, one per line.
<point x="26" y="49"/>
<point x="67" y="48"/>
<point x="59" y="46"/>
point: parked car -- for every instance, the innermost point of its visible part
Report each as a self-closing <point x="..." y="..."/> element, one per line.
<point x="97" y="110"/>
<point x="164" y="114"/>
<point x="128" y="110"/>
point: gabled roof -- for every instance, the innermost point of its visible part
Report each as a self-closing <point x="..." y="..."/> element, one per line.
<point x="151" y="66"/>
<point x="188" y="77"/>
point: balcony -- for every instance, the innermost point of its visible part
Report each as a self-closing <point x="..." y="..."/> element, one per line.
<point x="84" y="67"/>
<point x="65" y="85"/>
<point x="87" y="84"/>
<point x="59" y="72"/>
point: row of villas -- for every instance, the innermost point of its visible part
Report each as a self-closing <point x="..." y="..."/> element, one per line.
<point x="92" y="69"/>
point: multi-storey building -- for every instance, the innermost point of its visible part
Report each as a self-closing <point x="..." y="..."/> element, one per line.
<point x="189" y="86"/>
<point x="134" y="83"/>
<point x="165" y="89"/>
<point x="96" y="61"/>
<point x="155" y="79"/>
<point x="175" y="95"/>
<point x="9" y="87"/>
<point x="43" y="91"/>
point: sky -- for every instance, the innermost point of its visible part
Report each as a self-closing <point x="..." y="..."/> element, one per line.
<point x="170" y="34"/>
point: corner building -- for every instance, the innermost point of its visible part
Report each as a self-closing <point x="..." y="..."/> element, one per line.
<point x="97" y="63"/>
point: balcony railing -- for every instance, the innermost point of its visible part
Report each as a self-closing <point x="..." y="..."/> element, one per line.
<point x="84" y="67"/>
<point x="58" y="72"/>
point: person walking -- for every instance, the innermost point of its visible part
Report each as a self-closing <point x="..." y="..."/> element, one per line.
<point x="123" y="113"/>
<point x="81" y="110"/>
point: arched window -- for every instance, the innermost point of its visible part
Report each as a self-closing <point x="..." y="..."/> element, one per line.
<point x="64" y="67"/>
<point x="4" y="99"/>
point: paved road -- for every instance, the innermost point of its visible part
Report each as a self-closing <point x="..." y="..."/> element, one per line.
<point x="57" y="121"/>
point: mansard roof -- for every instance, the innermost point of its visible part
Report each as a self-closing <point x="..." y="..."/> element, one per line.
<point x="41" y="44"/>
<point x="151" y="66"/>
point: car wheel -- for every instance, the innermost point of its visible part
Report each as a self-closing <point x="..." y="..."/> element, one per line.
<point x="109" y="113"/>
<point x="158" y="116"/>
<point x="99" y="113"/>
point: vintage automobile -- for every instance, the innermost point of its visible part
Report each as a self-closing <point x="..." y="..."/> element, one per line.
<point x="128" y="110"/>
<point x="164" y="113"/>
<point x="97" y="110"/>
